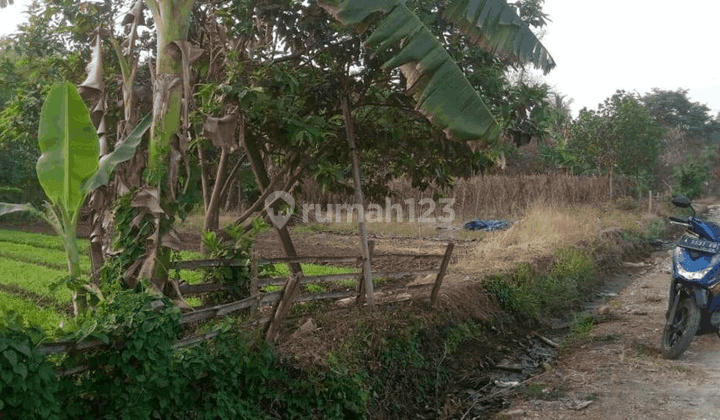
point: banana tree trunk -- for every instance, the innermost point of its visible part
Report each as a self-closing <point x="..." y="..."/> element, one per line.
<point x="172" y="20"/>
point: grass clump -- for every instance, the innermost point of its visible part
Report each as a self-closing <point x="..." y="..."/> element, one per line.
<point x="527" y="292"/>
<point x="581" y="324"/>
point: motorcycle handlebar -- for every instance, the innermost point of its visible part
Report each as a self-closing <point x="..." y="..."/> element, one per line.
<point x="681" y="220"/>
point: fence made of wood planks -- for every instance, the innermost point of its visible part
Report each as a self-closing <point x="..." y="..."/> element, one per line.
<point x="258" y="300"/>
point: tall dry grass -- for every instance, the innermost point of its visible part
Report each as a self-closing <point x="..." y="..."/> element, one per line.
<point x="544" y="228"/>
<point x="490" y="196"/>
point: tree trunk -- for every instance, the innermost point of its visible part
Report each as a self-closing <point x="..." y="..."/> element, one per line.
<point x="204" y="178"/>
<point x="212" y="213"/>
<point x="263" y="180"/>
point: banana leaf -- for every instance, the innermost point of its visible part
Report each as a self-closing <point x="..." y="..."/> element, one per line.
<point x="70" y="149"/>
<point x="494" y="24"/>
<point x="123" y="152"/>
<point x="442" y="91"/>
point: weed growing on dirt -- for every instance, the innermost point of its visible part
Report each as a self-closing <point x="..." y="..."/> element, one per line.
<point x="581" y="325"/>
<point x="527" y="292"/>
<point x="315" y="288"/>
<point x="460" y="334"/>
<point x="682" y="368"/>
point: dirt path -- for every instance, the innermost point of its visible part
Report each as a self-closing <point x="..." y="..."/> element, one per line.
<point x="617" y="372"/>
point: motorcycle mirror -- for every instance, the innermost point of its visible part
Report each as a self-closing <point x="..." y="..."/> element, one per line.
<point x="681" y="202"/>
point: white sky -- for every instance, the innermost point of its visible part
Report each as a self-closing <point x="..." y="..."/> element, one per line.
<point x="604" y="45"/>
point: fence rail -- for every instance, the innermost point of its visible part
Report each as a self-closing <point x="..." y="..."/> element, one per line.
<point x="282" y="298"/>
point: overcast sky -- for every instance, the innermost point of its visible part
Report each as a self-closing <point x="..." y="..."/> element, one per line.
<point x="604" y="45"/>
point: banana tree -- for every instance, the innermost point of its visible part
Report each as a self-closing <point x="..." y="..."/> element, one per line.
<point x="169" y="135"/>
<point x="69" y="169"/>
<point x="442" y="92"/>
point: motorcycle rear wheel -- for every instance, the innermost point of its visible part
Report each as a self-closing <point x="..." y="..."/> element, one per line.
<point x="680" y="329"/>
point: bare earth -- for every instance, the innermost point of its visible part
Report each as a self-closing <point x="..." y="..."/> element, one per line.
<point x="618" y="373"/>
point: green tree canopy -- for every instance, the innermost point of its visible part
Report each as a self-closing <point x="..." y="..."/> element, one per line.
<point x="621" y="135"/>
<point x="674" y="109"/>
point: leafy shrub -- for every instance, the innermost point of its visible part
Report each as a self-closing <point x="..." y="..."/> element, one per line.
<point x="139" y="375"/>
<point x="28" y="384"/>
<point x="655" y="229"/>
<point x="233" y="243"/>
<point x="690" y="177"/>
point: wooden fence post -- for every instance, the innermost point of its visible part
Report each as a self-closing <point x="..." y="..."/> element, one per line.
<point x="254" y="273"/>
<point x="360" y="301"/>
<point x="441" y="274"/>
<point x="292" y="286"/>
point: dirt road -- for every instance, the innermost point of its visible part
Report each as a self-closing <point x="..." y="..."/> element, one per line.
<point x="617" y="372"/>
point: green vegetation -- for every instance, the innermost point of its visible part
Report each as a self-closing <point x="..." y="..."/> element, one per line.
<point x="33" y="278"/>
<point x="525" y="291"/>
<point x="233" y="376"/>
<point x="48" y="318"/>
<point x="281" y="270"/>
<point x="581" y="324"/>
<point x="33" y="263"/>
<point x="48" y="257"/>
<point x="39" y="240"/>
<point x="690" y="178"/>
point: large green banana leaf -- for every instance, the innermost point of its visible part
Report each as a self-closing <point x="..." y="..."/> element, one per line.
<point x="70" y="149"/>
<point x="443" y="93"/>
<point x="494" y="24"/>
<point x="70" y="167"/>
<point x="123" y="152"/>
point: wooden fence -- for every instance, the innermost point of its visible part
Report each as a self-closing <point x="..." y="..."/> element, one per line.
<point x="284" y="298"/>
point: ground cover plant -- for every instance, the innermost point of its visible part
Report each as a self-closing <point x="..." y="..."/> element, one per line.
<point x="39" y="240"/>
<point x="31" y="263"/>
<point x="51" y="258"/>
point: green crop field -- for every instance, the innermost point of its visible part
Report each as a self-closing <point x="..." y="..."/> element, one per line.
<point x="31" y="262"/>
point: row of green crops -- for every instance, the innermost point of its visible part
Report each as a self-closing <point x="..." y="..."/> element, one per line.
<point x="49" y="257"/>
<point x="39" y="240"/>
<point x="31" y="262"/>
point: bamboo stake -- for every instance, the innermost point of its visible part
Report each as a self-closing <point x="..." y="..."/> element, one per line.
<point x="362" y="227"/>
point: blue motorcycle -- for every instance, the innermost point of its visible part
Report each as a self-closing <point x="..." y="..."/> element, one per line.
<point x="694" y="302"/>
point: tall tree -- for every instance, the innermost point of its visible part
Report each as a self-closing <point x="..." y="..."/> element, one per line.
<point x="674" y="109"/>
<point x="620" y="136"/>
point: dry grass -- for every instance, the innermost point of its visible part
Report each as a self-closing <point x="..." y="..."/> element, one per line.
<point x="491" y="196"/>
<point x="541" y="230"/>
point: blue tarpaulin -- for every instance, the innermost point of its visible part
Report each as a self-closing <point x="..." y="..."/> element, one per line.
<point x="487" y="225"/>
